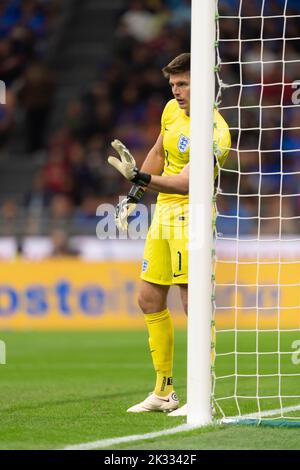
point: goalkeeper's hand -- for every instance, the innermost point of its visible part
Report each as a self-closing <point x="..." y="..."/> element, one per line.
<point x="127" y="165"/>
<point x="123" y="210"/>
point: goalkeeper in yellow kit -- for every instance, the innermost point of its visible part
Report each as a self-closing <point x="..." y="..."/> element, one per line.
<point x="165" y="261"/>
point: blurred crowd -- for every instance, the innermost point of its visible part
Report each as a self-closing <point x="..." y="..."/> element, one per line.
<point x="25" y="29"/>
<point x="260" y="57"/>
<point x="126" y="101"/>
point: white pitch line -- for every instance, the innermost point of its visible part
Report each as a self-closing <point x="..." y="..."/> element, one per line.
<point x="102" y="444"/>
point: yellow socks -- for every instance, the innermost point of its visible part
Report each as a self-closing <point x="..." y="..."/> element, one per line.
<point x="161" y="341"/>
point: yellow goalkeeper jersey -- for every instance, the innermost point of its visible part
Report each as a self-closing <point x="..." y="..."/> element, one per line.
<point x="175" y="128"/>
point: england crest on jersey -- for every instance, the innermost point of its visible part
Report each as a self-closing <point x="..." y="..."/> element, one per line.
<point x="183" y="143"/>
<point x="145" y="265"/>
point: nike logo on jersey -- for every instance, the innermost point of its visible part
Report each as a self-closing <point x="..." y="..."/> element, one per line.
<point x="178" y="275"/>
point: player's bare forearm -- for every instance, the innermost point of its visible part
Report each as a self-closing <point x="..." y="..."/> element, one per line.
<point x="175" y="184"/>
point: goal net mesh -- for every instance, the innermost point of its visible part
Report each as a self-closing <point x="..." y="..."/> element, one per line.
<point x="256" y="281"/>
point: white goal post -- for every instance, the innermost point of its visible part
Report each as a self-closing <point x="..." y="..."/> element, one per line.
<point x="201" y="192"/>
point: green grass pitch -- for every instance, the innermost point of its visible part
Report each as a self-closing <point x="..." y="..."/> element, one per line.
<point x="64" y="388"/>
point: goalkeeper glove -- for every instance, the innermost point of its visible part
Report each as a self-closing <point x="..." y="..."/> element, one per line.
<point x="127" y="166"/>
<point x="127" y="206"/>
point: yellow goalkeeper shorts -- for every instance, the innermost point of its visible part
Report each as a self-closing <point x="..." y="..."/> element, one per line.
<point x="166" y="254"/>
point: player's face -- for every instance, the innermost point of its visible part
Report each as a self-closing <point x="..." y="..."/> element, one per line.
<point x="180" y="84"/>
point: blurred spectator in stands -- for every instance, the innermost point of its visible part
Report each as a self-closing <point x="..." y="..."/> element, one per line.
<point x="33" y="17"/>
<point x="233" y="221"/>
<point x="104" y="118"/>
<point x="138" y="22"/>
<point x="23" y="42"/>
<point x="57" y="178"/>
<point x="9" y="212"/>
<point x="96" y="151"/>
<point x="182" y="14"/>
<point x="37" y="200"/>
<point x="85" y="218"/>
<point x="9" y="15"/>
<point x="61" y="244"/>
<point x="74" y="118"/>
<point x="83" y="180"/>
<point x="132" y="108"/>
<point x="104" y="181"/>
<point x="173" y="4"/>
<point x="291" y="137"/>
<point x="29" y="13"/>
<point x="12" y="61"/>
<point x="36" y="98"/>
<point x="128" y="97"/>
<point x="62" y="140"/>
<point x="60" y="212"/>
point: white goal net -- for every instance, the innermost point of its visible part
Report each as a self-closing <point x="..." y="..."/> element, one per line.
<point x="256" y="371"/>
